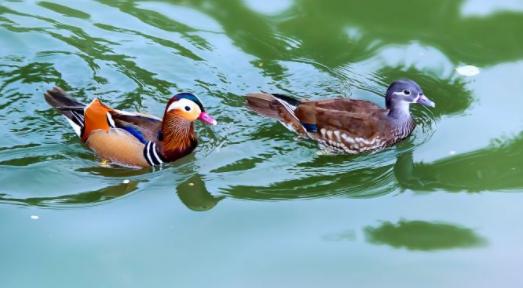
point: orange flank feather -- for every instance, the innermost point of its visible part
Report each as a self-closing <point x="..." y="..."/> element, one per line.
<point x="95" y="118"/>
<point x="118" y="146"/>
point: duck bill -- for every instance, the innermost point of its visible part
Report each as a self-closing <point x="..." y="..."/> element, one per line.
<point x="207" y="119"/>
<point x="423" y="100"/>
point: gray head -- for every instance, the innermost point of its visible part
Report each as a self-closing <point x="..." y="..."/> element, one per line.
<point x="402" y="93"/>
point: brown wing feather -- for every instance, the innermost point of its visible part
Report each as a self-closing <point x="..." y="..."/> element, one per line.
<point x="365" y="125"/>
<point x="347" y="105"/>
<point x="357" y="118"/>
<point x="148" y="126"/>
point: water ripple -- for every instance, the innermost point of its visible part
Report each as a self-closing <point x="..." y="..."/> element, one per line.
<point x="136" y="55"/>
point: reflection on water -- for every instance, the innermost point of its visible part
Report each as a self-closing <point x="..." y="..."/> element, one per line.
<point x="194" y="195"/>
<point x="495" y="168"/>
<point x="77" y="199"/>
<point x="423" y="235"/>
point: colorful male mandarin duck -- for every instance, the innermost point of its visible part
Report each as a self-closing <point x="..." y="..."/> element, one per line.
<point x="134" y="139"/>
<point x="344" y="125"/>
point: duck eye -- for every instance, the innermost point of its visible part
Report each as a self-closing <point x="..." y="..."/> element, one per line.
<point x="187" y="108"/>
<point x="406" y="92"/>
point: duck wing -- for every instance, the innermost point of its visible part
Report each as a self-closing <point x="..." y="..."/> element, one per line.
<point x="347" y="105"/>
<point x="361" y="124"/>
<point x="302" y="116"/>
<point x="142" y="126"/>
<point x="350" y="132"/>
<point x="357" y="117"/>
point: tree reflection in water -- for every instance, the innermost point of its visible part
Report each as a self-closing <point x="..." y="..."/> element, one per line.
<point x="423" y="235"/>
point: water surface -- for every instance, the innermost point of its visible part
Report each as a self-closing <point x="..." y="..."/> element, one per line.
<point x="255" y="206"/>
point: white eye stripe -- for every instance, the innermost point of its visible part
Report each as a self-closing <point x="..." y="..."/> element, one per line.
<point x="400" y="93"/>
<point x="180" y="104"/>
<point x="406" y="102"/>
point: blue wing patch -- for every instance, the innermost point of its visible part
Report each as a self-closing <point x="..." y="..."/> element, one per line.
<point x="313" y="128"/>
<point x="136" y="133"/>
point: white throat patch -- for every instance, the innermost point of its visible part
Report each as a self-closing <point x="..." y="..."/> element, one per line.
<point x="403" y="106"/>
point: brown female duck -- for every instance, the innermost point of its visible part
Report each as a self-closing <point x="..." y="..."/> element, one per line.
<point x="344" y="125"/>
<point x="134" y="139"/>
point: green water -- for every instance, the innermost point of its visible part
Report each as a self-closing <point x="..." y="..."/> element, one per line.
<point x="254" y="206"/>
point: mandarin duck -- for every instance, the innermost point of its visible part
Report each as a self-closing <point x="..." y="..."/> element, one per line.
<point x="134" y="139"/>
<point x="345" y="125"/>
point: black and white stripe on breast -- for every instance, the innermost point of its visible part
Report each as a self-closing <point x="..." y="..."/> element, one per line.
<point x="151" y="154"/>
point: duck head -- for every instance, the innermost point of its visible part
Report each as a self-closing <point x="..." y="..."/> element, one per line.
<point x="177" y="135"/>
<point x="186" y="107"/>
<point x="402" y="93"/>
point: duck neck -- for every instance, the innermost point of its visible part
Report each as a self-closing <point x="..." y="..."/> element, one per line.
<point x="402" y="121"/>
<point x="177" y="137"/>
<point x="399" y="111"/>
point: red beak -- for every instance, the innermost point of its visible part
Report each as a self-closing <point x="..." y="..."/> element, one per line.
<point x="207" y="119"/>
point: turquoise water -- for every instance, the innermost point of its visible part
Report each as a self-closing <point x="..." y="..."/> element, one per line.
<point x="255" y="206"/>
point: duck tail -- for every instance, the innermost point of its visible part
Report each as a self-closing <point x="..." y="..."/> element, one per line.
<point x="70" y="108"/>
<point x="263" y="104"/>
<point x="290" y="100"/>
<point x="276" y="106"/>
<point x="269" y="104"/>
